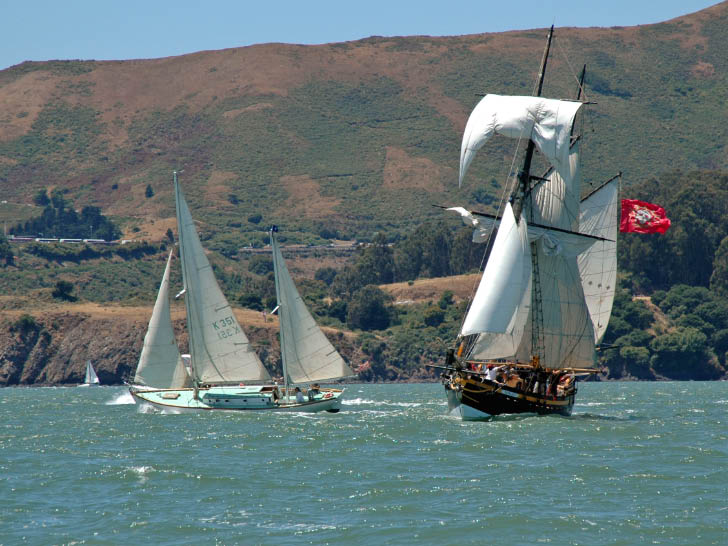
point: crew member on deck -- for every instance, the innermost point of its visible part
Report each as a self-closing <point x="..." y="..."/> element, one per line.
<point x="313" y="390"/>
<point x="299" y="396"/>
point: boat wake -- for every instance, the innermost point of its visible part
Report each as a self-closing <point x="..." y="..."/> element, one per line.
<point x="366" y="402"/>
<point x="124" y="398"/>
<point x="600" y="417"/>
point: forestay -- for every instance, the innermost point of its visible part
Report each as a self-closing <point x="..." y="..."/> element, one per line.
<point x="221" y="353"/>
<point x="308" y="355"/>
<point x="160" y="364"/>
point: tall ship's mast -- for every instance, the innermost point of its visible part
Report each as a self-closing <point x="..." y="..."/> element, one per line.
<point x="547" y="288"/>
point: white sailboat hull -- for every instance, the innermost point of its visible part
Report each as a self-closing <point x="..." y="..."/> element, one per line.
<point x="233" y="399"/>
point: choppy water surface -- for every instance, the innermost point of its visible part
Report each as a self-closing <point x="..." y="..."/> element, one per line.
<point x="637" y="463"/>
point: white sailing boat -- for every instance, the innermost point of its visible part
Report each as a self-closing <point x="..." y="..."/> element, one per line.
<point x="91" y="379"/>
<point x="546" y="293"/>
<point x="225" y="372"/>
<point x="307" y="354"/>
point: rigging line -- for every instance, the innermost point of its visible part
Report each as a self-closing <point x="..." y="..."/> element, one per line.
<point x="571" y="69"/>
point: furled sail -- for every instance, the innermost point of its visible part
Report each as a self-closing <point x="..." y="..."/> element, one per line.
<point x="546" y="121"/>
<point x="160" y="364"/>
<point x="221" y="353"/>
<point x="308" y="355"/>
<point x="598" y="265"/>
<point x="507" y="277"/>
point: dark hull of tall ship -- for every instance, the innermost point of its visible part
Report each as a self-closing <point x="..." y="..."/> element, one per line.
<point x="478" y="398"/>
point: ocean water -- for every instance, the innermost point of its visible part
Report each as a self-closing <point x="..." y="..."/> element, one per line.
<point x="637" y="463"/>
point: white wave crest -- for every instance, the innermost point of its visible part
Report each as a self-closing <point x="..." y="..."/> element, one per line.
<point x="121" y="399"/>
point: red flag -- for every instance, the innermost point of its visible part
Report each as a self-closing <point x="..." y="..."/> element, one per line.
<point x="642" y="217"/>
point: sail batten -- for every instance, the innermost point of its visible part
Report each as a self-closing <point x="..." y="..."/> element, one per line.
<point x="308" y="356"/>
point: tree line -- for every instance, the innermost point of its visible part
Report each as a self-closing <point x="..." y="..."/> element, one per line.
<point x="60" y="219"/>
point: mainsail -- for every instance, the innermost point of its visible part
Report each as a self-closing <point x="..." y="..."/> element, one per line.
<point x="220" y="351"/>
<point x="307" y="354"/>
<point x="160" y="364"/>
<point x="564" y="335"/>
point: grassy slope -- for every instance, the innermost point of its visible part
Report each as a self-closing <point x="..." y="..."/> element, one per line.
<point x="361" y="136"/>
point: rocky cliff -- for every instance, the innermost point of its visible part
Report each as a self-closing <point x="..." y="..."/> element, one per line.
<point x="52" y="347"/>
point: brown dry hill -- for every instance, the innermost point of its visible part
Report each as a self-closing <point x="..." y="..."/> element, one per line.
<point x="356" y="136"/>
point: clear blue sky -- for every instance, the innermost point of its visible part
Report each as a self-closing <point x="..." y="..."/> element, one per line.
<point x="40" y="30"/>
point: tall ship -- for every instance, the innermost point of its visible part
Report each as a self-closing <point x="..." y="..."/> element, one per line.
<point x="546" y="293"/>
<point x="222" y="371"/>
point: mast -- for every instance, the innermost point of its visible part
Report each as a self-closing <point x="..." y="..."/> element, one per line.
<point x="187" y="296"/>
<point x="524" y="177"/>
<point x="276" y="274"/>
<point x="524" y="189"/>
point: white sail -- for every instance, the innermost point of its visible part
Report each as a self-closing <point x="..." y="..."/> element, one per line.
<point x="566" y="335"/>
<point x="91" y="377"/>
<point x="220" y="351"/>
<point x="567" y="332"/>
<point x="307" y="354"/>
<point x="160" y="364"/>
<point x="546" y="121"/>
<point x="598" y="265"/>
<point x="507" y="277"/>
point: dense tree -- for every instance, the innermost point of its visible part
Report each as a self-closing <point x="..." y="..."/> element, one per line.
<point x="719" y="276"/>
<point x="59" y="219"/>
<point x="6" y="253"/>
<point x="41" y="198"/>
<point x="683" y="354"/>
<point x="62" y="291"/>
<point x="149" y="192"/>
<point x="325" y="274"/>
<point x="260" y="265"/>
<point x="434" y="316"/>
<point x="251" y="300"/>
<point x="369" y="309"/>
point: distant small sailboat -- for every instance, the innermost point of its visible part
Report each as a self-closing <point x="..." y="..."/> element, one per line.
<point x="91" y="380"/>
<point x="225" y="373"/>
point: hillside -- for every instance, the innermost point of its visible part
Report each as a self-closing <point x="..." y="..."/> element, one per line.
<point x="356" y="137"/>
